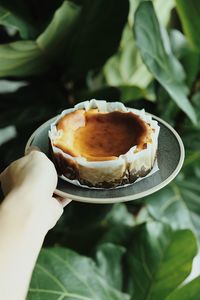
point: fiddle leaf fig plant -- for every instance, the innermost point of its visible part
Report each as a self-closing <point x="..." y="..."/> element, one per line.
<point x="155" y="262"/>
<point x="147" y="55"/>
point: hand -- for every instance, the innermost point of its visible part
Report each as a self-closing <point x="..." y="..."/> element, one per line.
<point x="29" y="184"/>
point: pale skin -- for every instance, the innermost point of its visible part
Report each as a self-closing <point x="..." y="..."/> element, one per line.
<point x="27" y="213"/>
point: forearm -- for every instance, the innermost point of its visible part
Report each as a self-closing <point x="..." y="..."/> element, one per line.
<point x="21" y="239"/>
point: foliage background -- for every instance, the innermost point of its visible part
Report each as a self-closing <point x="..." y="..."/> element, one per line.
<point x="147" y="55"/>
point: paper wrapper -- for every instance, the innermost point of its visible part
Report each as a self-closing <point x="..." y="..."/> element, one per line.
<point x="76" y="182"/>
<point x="127" y="169"/>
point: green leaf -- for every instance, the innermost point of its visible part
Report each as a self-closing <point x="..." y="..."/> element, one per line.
<point x="178" y="204"/>
<point x="22" y="58"/>
<point x="120" y="215"/>
<point x="189" y="12"/>
<point x="98" y="34"/>
<point x="54" y="41"/>
<point x="30" y="17"/>
<point x="132" y="70"/>
<point x="109" y="259"/>
<point x="189" y="58"/>
<point x="126" y="67"/>
<point x="162" y="7"/>
<point x="63" y="274"/>
<point x="8" y="19"/>
<point x="156" y="52"/>
<point x="118" y="226"/>
<point x="190" y="291"/>
<point x="158" y="260"/>
<point x="167" y="112"/>
<point x="191" y="138"/>
<point x="129" y="93"/>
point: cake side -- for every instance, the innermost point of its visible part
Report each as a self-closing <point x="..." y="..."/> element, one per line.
<point x="136" y="162"/>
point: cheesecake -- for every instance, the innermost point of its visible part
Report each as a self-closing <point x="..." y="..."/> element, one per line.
<point x="103" y="144"/>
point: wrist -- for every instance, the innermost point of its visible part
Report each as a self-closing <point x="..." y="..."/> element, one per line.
<point x="15" y="213"/>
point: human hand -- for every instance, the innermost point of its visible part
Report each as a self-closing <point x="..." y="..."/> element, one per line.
<point x="29" y="184"/>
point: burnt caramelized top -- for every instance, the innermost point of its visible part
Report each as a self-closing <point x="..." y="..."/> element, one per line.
<point x="100" y="136"/>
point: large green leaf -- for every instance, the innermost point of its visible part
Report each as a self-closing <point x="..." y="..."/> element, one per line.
<point x="178" y="204"/>
<point x="126" y="67"/>
<point x="109" y="259"/>
<point x="21" y="59"/>
<point x="190" y="291"/>
<point x="189" y="12"/>
<point x="162" y="7"/>
<point x="55" y="40"/>
<point x="25" y="58"/>
<point x="76" y="38"/>
<point x="159" y="259"/>
<point x="153" y="42"/>
<point x="30" y="17"/>
<point x="63" y="274"/>
<point x="118" y="226"/>
<point x="8" y="19"/>
<point x="98" y="34"/>
<point x="188" y="57"/>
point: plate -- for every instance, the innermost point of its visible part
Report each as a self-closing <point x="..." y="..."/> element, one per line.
<point x="170" y="159"/>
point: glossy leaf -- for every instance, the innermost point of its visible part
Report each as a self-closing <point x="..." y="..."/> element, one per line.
<point x="189" y="12"/>
<point x="163" y="10"/>
<point x="130" y="93"/>
<point x="30" y="17"/>
<point x="21" y="59"/>
<point x="188" y="57"/>
<point x="118" y="226"/>
<point x="156" y="52"/>
<point x="97" y="37"/>
<point x="190" y="291"/>
<point x="24" y="58"/>
<point x="62" y="273"/>
<point x="54" y="41"/>
<point x="9" y="19"/>
<point x="178" y="204"/>
<point x="126" y="67"/>
<point x="158" y="260"/>
<point x="59" y="43"/>
<point x="109" y="259"/>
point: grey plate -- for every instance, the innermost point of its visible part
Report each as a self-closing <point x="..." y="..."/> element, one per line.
<point x="170" y="160"/>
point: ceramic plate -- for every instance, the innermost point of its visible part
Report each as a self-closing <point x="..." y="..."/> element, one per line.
<point x="170" y="160"/>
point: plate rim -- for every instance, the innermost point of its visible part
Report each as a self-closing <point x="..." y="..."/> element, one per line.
<point x="124" y="198"/>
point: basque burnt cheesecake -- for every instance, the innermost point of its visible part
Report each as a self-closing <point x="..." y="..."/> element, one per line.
<point x="103" y="144"/>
